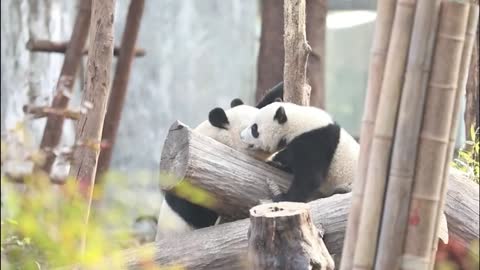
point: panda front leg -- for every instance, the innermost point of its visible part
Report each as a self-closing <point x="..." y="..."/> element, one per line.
<point x="279" y="160"/>
<point x="304" y="184"/>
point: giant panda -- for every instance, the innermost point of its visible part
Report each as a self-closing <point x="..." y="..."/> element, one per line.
<point x="305" y="140"/>
<point x="178" y="215"/>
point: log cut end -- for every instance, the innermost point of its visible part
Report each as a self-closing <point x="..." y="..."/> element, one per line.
<point x="283" y="236"/>
<point x="175" y="156"/>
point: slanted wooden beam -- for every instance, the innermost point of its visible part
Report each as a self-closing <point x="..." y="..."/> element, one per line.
<point x="73" y="56"/>
<point x="41" y="45"/>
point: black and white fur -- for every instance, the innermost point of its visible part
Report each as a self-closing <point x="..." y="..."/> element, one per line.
<point x="321" y="155"/>
<point x="177" y="214"/>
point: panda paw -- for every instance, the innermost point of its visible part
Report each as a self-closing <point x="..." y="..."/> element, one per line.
<point x="278" y="165"/>
<point x="265" y="201"/>
<point x="279" y="198"/>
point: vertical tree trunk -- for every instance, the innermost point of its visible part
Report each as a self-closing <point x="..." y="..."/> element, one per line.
<point x="120" y="83"/>
<point x="73" y="56"/>
<point x="97" y="88"/>
<point x="472" y="109"/>
<point x="296" y="89"/>
<point x="316" y="28"/>
<point x="271" y="53"/>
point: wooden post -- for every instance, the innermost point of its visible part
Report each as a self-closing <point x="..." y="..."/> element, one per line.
<point x="271" y="52"/>
<point x="462" y="82"/>
<point x="378" y="57"/>
<point x="383" y="135"/>
<point x="40" y="45"/>
<point x="404" y="153"/>
<point x="434" y="137"/>
<point x="296" y="53"/>
<point x="120" y="83"/>
<point x="283" y="236"/>
<point x="472" y="110"/>
<point x="316" y="32"/>
<point x="225" y="246"/>
<point x="73" y="55"/>
<point x="97" y="88"/>
<point x="236" y="179"/>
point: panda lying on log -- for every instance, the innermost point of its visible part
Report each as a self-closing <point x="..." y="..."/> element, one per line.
<point x="306" y="141"/>
<point x="177" y="214"/>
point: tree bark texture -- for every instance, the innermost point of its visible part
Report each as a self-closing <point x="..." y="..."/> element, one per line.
<point x="283" y="236"/>
<point x="378" y="58"/>
<point x="97" y="89"/>
<point x="296" y="53"/>
<point x="271" y="53"/>
<point x="73" y="56"/>
<point x="192" y="160"/>
<point x="120" y="83"/>
<point x="316" y="29"/>
<point x="225" y="246"/>
<point x="472" y="109"/>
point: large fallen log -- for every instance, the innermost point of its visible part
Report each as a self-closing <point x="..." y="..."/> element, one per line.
<point x="236" y="180"/>
<point x="225" y="246"/>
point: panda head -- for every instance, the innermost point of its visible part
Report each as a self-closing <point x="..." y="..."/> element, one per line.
<point x="225" y="126"/>
<point x="276" y="124"/>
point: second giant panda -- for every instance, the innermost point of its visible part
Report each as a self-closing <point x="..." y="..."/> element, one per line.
<point x="178" y="215"/>
<point x="321" y="155"/>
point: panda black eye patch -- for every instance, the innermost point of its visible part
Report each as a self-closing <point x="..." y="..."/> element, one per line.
<point x="255" y="133"/>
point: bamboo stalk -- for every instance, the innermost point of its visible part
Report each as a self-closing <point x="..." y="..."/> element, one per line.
<point x="378" y="57"/>
<point x="461" y="86"/>
<point x="383" y="135"/>
<point x="404" y="152"/>
<point x="434" y="136"/>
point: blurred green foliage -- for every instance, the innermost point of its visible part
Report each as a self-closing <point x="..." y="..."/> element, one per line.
<point x="468" y="157"/>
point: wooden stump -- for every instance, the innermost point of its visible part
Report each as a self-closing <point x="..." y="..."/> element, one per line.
<point x="283" y="236"/>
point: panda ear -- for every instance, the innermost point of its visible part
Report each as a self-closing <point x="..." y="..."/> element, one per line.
<point x="280" y="115"/>
<point x="218" y="118"/>
<point x="236" y="102"/>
